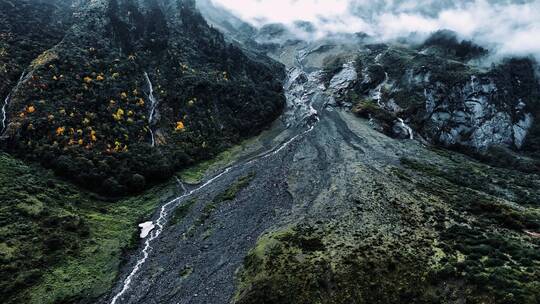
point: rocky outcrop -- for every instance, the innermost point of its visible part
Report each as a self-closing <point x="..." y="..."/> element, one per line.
<point x="450" y="102"/>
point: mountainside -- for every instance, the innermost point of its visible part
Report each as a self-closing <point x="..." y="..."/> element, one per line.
<point x="442" y="91"/>
<point x="45" y="23"/>
<point x="331" y="210"/>
<point x="134" y="91"/>
<point x="446" y="100"/>
<point x="258" y="166"/>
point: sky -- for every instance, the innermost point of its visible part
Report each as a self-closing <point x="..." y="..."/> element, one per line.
<point x="506" y="26"/>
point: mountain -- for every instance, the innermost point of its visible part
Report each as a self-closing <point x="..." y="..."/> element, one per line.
<point x="272" y="167"/>
<point x="448" y="101"/>
<point x="45" y="23"/>
<point x="332" y="208"/>
<point x="134" y="91"/>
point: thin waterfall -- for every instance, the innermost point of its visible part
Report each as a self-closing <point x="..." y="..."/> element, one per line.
<point x="377" y="92"/>
<point x="406" y="127"/>
<point x="171" y="205"/>
<point x="153" y="106"/>
<point x="8" y="99"/>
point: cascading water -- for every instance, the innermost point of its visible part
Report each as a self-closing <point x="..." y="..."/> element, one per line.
<point x="407" y="128"/>
<point x="4" y="115"/>
<point x="297" y="92"/>
<point x="8" y="99"/>
<point x="153" y="106"/>
<point x="377" y="92"/>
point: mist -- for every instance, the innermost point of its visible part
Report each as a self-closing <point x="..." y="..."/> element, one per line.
<point x="510" y="27"/>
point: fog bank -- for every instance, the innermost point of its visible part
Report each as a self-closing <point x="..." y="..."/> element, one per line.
<point x="510" y="27"/>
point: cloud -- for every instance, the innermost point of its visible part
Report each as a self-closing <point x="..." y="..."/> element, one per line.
<point x="506" y="26"/>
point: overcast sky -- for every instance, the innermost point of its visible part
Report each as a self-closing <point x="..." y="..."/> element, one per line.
<point x="509" y="26"/>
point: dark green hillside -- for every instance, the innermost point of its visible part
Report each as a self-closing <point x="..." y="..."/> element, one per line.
<point x="86" y="109"/>
<point x="59" y="243"/>
<point x="469" y="235"/>
<point x="27" y="28"/>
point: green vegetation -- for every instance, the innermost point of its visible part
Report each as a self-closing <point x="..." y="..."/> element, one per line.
<point x="315" y="264"/>
<point x="195" y="174"/>
<point x="232" y="191"/>
<point x="85" y="110"/>
<point x="59" y="243"/>
<point x="44" y="25"/>
<point x="369" y="109"/>
<point x="186" y="272"/>
<point x="445" y="230"/>
<point x="487" y="246"/>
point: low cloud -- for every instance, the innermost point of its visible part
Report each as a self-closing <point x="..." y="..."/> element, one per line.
<point x="507" y="27"/>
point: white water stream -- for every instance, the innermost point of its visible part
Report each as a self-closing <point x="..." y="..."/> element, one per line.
<point x="8" y="99"/>
<point x="170" y="206"/>
<point x="406" y="127"/>
<point x="153" y="105"/>
<point x="377" y="92"/>
<point x="165" y="209"/>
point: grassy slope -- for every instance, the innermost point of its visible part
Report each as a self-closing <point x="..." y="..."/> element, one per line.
<point x="38" y="209"/>
<point x="453" y="230"/>
<point x="87" y="263"/>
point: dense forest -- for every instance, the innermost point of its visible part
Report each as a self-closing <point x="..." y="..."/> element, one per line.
<point x="130" y="94"/>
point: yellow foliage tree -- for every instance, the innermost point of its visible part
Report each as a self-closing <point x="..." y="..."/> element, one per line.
<point x="119" y="115"/>
<point x="60" y="131"/>
<point x="93" y="136"/>
<point x="179" y="126"/>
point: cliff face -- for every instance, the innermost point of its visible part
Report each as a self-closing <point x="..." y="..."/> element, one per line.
<point x="445" y="99"/>
<point x="134" y="91"/>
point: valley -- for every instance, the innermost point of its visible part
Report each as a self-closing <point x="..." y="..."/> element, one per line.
<point x="324" y="207"/>
<point x="167" y="152"/>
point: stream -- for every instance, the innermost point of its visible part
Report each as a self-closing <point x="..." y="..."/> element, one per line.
<point x="303" y="94"/>
<point x="21" y="80"/>
<point x="153" y="106"/>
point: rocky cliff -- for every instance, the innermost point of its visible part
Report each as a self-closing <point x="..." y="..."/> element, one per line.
<point x="446" y="98"/>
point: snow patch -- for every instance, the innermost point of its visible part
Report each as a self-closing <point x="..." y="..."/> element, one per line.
<point x="146" y="228"/>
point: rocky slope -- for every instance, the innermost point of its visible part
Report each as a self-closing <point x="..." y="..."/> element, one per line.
<point x="447" y="100"/>
<point x="325" y="209"/>
<point x="444" y="90"/>
<point x="134" y="91"/>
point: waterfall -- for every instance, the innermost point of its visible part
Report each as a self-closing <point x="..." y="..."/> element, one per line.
<point x="377" y="92"/>
<point x="406" y="127"/>
<point x="153" y="105"/>
<point x="300" y="93"/>
<point x="473" y="85"/>
<point x="4" y="115"/>
<point x="8" y="99"/>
